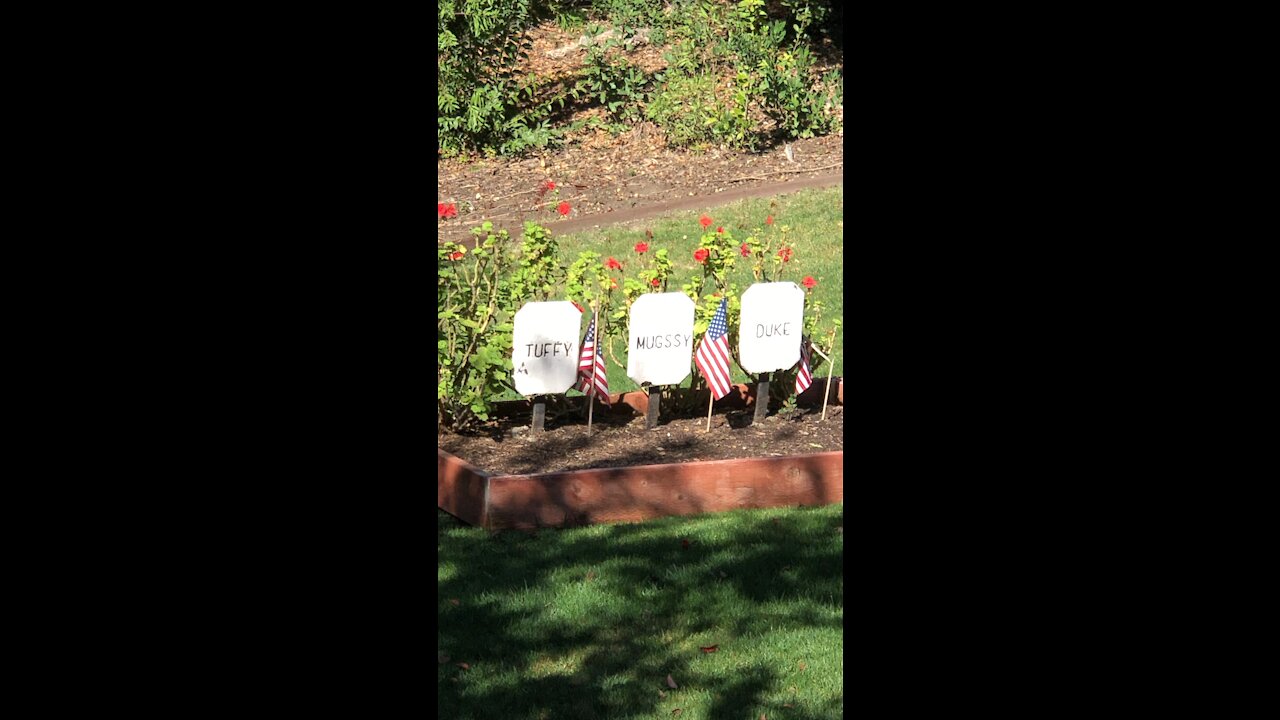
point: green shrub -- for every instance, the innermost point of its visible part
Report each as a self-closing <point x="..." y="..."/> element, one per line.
<point x="480" y="105"/>
<point x="759" y="44"/>
<point x="678" y="107"/>
<point x="478" y="294"/>
<point x="614" y="82"/>
<point x="790" y="96"/>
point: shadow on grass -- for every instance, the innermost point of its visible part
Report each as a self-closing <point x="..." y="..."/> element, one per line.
<point x="589" y="623"/>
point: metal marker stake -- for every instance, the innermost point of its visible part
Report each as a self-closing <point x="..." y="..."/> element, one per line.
<point x="539" y="414"/>
<point x="655" y="401"/>
<point x="762" y="398"/>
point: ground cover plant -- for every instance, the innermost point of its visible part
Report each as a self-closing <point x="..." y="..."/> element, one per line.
<point x="737" y="614"/>
<point x="741" y="73"/>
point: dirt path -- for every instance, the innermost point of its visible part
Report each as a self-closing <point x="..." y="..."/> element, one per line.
<point x="513" y="223"/>
<point x="606" y="180"/>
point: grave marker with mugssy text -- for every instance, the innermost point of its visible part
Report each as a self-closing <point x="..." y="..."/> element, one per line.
<point x="660" y="346"/>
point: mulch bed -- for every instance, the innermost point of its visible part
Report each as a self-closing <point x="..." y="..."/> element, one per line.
<point x="507" y="447"/>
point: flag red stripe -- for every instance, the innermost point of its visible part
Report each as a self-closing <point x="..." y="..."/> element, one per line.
<point x="803" y="377"/>
<point x="713" y="361"/>
<point x="589" y="360"/>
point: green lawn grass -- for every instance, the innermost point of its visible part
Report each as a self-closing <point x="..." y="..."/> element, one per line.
<point x="589" y="622"/>
<point x="816" y="219"/>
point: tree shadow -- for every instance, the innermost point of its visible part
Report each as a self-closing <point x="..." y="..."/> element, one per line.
<point x="613" y="662"/>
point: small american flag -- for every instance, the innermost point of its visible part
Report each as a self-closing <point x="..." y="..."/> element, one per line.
<point x="712" y="357"/>
<point x="804" y="378"/>
<point x="588" y="358"/>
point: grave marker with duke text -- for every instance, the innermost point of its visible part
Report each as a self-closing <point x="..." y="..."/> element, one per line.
<point x="772" y="322"/>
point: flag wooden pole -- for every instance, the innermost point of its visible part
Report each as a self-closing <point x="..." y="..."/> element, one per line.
<point x="711" y="399"/>
<point x="595" y="353"/>
<point x="831" y="361"/>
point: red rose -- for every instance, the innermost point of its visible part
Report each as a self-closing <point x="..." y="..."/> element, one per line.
<point x="612" y="264"/>
<point x="642" y="247"/>
<point x="768" y="220"/>
<point x="563" y="208"/>
<point x="551" y="185"/>
<point x="705" y="221"/>
<point x="720" y="230"/>
<point x="455" y="256"/>
<point x="701" y="254"/>
<point x="746" y="251"/>
<point x="655" y="282"/>
<point x="446" y="210"/>
<point x="785" y="254"/>
<point x="809" y="281"/>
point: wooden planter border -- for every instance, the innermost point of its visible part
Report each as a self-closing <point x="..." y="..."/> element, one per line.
<point x="635" y="493"/>
<point x="640" y="492"/>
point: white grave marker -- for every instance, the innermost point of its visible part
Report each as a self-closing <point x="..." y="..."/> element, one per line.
<point x="772" y="322"/>
<point x="660" y="349"/>
<point x="546" y="344"/>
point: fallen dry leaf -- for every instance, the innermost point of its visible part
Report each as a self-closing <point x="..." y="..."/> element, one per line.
<point x="662" y="693"/>
<point x="591" y="575"/>
<point x="710" y="648"/>
<point x="787" y="705"/>
<point x="677" y="711"/>
<point x="801" y="666"/>
<point x="443" y="657"/>
<point x="672" y="683"/>
<point x="454" y="601"/>
<point x="464" y="666"/>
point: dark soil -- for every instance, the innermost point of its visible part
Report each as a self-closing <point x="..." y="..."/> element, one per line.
<point x="618" y="441"/>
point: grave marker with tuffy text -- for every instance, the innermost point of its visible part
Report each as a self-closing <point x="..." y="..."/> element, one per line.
<point x="544" y="347"/>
